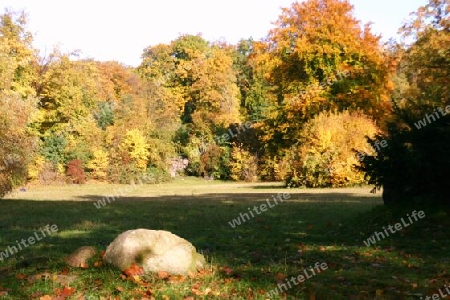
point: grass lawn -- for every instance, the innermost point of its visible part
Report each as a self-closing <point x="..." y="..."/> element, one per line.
<point x="245" y="262"/>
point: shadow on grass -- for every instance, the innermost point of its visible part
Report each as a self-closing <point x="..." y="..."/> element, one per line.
<point x="285" y="239"/>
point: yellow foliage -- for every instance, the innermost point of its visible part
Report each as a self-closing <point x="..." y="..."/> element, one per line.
<point x="99" y="164"/>
<point x="60" y="169"/>
<point x="326" y="155"/>
<point x="136" y="146"/>
<point x="35" y="167"/>
<point x="243" y="165"/>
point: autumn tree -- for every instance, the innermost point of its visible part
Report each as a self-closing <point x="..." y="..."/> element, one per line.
<point x="415" y="167"/>
<point x="17" y="100"/>
<point x="319" y="58"/>
<point x="198" y="77"/>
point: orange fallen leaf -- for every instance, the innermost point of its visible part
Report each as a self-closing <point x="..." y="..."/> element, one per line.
<point x="227" y="270"/>
<point x="45" y="297"/>
<point x="196" y="292"/>
<point x="64" y="271"/>
<point x="281" y="276"/>
<point x="20" y="276"/>
<point x="134" y="270"/>
<point x="162" y="275"/>
<point x="67" y="291"/>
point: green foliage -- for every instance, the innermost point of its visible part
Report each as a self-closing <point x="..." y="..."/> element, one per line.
<point x="105" y="115"/>
<point x="53" y="148"/>
<point x="124" y="173"/>
<point x="157" y="175"/>
<point x="415" y="167"/>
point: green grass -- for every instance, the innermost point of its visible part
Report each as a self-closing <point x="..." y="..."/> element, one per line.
<point x="326" y="225"/>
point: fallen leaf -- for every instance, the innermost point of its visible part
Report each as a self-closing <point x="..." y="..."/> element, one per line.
<point x="45" y="297"/>
<point x="97" y="264"/>
<point x="191" y="274"/>
<point x="177" y="278"/>
<point x="36" y="295"/>
<point x="67" y="291"/>
<point x="281" y="276"/>
<point x="163" y="275"/>
<point x="120" y="289"/>
<point x="227" y="270"/>
<point x="134" y="270"/>
<point x="20" y="276"/>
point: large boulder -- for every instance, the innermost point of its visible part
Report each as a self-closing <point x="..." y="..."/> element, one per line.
<point x="154" y="250"/>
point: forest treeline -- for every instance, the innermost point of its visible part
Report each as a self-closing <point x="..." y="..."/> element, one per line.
<point x="310" y="104"/>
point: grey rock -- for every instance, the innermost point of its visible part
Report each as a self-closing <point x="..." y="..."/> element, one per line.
<point x="154" y="250"/>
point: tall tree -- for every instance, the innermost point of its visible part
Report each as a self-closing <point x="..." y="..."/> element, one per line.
<point x="319" y="57"/>
<point x="17" y="99"/>
<point x="416" y="165"/>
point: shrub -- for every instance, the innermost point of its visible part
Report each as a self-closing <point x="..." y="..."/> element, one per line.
<point x="136" y="146"/>
<point x="16" y="144"/>
<point x="416" y="165"/>
<point x="243" y="165"/>
<point x="53" y="148"/>
<point x="325" y="154"/>
<point x="99" y="164"/>
<point x="75" y="171"/>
